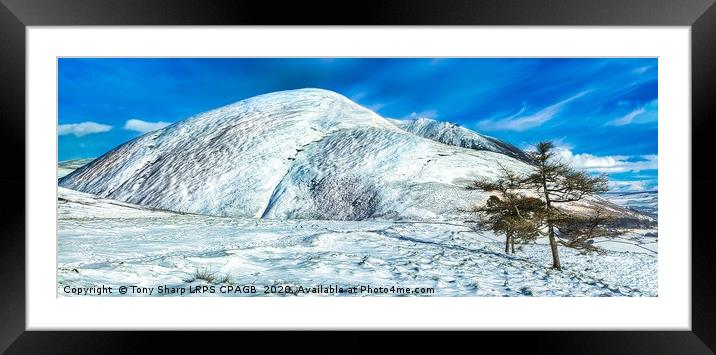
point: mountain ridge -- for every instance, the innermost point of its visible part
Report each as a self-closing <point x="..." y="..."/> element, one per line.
<point x="453" y="134"/>
<point x="288" y="154"/>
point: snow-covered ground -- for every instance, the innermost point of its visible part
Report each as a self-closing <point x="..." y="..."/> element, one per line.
<point x="105" y="242"/>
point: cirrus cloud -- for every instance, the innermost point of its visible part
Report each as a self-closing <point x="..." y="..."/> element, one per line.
<point x="519" y="122"/>
<point x="644" y="114"/>
<point x="432" y="114"/>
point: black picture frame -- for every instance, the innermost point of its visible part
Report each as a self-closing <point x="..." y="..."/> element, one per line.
<point x="16" y="15"/>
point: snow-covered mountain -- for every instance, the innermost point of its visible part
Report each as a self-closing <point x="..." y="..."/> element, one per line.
<point x="309" y="154"/>
<point x="453" y="134"/>
<point x="306" y="153"/>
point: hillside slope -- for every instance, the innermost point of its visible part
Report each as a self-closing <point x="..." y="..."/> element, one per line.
<point x="306" y="153"/>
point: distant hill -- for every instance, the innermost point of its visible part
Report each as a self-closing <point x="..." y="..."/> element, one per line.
<point x="645" y="202"/>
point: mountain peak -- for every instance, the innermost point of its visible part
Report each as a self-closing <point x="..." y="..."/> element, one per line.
<point x="306" y="153"/>
<point x="303" y="94"/>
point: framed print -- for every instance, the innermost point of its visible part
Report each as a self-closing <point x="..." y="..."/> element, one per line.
<point x="466" y="171"/>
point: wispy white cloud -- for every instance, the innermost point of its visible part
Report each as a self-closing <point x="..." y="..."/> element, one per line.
<point x="82" y="129"/>
<point x="519" y="122"/>
<point x="424" y="114"/>
<point x="642" y="69"/>
<point x="628" y="118"/>
<point x="358" y="95"/>
<point x="608" y="163"/>
<point x="144" y="126"/>
<point x="644" y="114"/>
<point x="376" y="107"/>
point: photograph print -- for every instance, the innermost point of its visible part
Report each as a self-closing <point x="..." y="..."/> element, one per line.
<point x="357" y="177"/>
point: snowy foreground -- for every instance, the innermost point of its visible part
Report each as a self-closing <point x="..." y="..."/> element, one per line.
<point x="106" y="242"/>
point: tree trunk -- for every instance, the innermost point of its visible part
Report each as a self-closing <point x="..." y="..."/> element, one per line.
<point x="508" y="236"/>
<point x="553" y="245"/>
<point x="552" y="240"/>
<point x="512" y="242"/>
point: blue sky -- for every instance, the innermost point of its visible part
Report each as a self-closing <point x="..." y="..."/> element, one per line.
<point x="602" y="113"/>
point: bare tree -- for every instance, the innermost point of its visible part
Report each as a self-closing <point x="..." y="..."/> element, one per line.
<point x="557" y="183"/>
